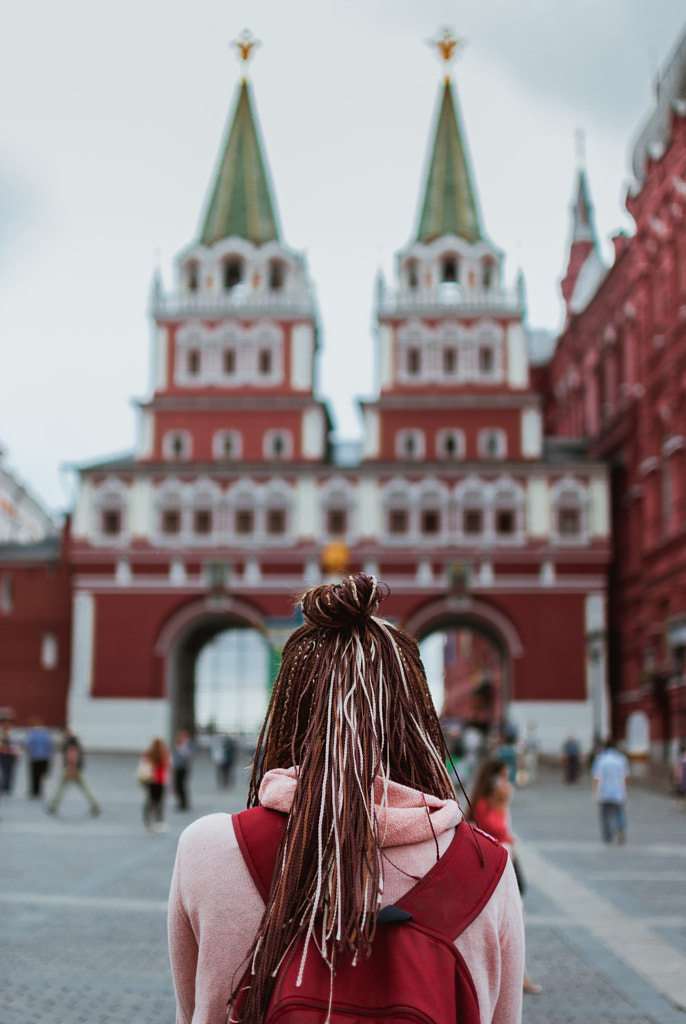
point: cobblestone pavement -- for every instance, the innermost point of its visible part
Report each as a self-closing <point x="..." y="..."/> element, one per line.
<point x="83" y="901"/>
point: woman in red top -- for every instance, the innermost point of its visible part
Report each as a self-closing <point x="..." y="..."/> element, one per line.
<point x="490" y="810"/>
<point x="157" y="759"/>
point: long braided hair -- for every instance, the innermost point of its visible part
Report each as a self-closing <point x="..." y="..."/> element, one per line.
<point x="351" y="709"/>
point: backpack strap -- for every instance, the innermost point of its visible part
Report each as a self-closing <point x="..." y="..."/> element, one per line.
<point x="258" y="833"/>
<point x="469" y="870"/>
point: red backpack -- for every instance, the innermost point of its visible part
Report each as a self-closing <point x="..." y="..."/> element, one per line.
<point x="414" y="974"/>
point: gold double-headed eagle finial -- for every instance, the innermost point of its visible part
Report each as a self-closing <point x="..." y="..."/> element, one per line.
<point x="245" y="46"/>
<point x="448" y="46"/>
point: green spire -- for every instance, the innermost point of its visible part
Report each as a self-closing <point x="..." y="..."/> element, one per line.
<point x="449" y="202"/>
<point x="241" y="204"/>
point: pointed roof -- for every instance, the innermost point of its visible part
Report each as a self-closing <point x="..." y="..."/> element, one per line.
<point x="241" y="202"/>
<point x="449" y="206"/>
<point x="583" y="224"/>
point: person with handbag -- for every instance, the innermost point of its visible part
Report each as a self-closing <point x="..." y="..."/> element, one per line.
<point x="351" y="883"/>
<point x="490" y="810"/>
<point x="153" y="774"/>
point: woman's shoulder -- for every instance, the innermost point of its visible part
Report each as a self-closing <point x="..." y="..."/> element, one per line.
<point x="208" y="828"/>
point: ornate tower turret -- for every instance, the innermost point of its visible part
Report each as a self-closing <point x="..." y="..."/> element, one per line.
<point x="454" y="374"/>
<point x="235" y="343"/>
<point x="584" y="266"/>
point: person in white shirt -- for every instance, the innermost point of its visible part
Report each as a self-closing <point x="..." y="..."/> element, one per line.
<point x="610" y="774"/>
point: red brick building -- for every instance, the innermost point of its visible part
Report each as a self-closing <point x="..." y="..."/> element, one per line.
<point x="618" y="379"/>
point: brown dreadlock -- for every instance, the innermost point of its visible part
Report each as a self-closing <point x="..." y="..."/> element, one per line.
<point x="350" y="705"/>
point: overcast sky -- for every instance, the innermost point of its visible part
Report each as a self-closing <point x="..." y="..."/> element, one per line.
<point x="111" y="120"/>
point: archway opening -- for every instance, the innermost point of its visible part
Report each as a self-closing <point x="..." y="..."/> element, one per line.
<point x="221" y="678"/>
<point x="467" y="671"/>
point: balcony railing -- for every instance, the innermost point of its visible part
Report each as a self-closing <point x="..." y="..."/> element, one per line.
<point x="240" y="301"/>
<point x="448" y="297"/>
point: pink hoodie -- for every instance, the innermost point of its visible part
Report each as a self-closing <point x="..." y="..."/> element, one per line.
<point x="215" y="908"/>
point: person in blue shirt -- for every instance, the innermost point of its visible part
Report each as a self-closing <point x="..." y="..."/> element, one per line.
<point x="610" y="774"/>
<point x="39" y="747"/>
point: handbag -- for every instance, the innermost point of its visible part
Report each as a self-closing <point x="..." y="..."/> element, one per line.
<point x="145" y="771"/>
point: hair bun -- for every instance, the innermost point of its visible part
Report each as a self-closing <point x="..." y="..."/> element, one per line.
<point x="348" y="603"/>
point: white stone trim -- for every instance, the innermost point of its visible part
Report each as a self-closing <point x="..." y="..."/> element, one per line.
<point x="302" y="356"/>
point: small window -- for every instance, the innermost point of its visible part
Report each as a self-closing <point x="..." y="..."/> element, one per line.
<point x="473" y="522"/>
<point x="193" y="362"/>
<point x="6" y="594"/>
<point x="276" y="522"/>
<point x="49" y="653"/>
<point x="492" y="444"/>
<point x="487" y="276"/>
<point x="264" y="362"/>
<point x="202" y="521"/>
<point x="450" y="444"/>
<point x="450" y="269"/>
<point x="449" y="360"/>
<point x="412" y="275"/>
<point x="398" y="521"/>
<point x="177" y="445"/>
<point x="233" y="274"/>
<point x="276" y="276"/>
<point x="111" y="522"/>
<point x="336" y="521"/>
<point x="430" y="522"/>
<point x="171" y="521"/>
<point x="414" y="361"/>
<point x="193" y="277"/>
<point x="229" y="361"/>
<point x="486" y="359"/>
<point x="228" y="447"/>
<point x="504" y="521"/>
<point x="569" y="522"/>
<point x="278" y="445"/>
<point x="245" y="521"/>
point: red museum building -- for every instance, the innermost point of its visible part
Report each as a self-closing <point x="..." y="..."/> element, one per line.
<point x="483" y="494"/>
<point x="618" y="379"/>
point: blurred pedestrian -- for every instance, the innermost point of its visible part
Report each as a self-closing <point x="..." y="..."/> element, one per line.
<point x="153" y="773"/>
<point x="182" y="757"/>
<point x="506" y="751"/>
<point x="571" y="759"/>
<point x="73" y="763"/>
<point x="9" y="752"/>
<point x="680" y="775"/>
<point x="39" y="747"/>
<point x="224" y="749"/>
<point x="530" y="752"/>
<point x="490" y="810"/>
<point x="610" y="775"/>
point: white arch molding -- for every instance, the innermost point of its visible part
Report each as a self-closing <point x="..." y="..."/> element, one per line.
<point x="466" y="608"/>
<point x="209" y="606"/>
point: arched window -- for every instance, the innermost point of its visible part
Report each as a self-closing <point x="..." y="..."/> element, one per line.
<point x="177" y="444"/>
<point x="487" y="272"/>
<point x="277" y="275"/>
<point x="450" y="444"/>
<point x="278" y="445"/>
<point x="409" y="444"/>
<point x="569" y="500"/>
<point x="432" y="509"/>
<point x="508" y="511"/>
<point x="450" y="269"/>
<point x="111" y="502"/>
<point x="277" y="511"/>
<point x="412" y="270"/>
<point x="472" y="510"/>
<point x="492" y="443"/>
<point x="232" y="272"/>
<point x="337" y="500"/>
<point x="193" y="276"/>
<point x="397" y="506"/>
<point x="227" y="444"/>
